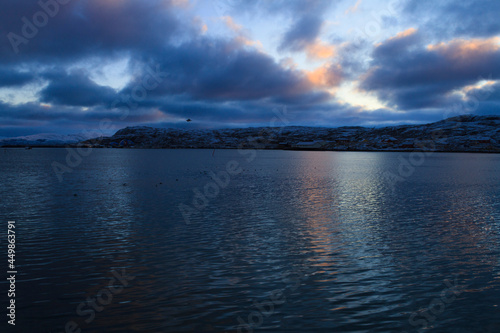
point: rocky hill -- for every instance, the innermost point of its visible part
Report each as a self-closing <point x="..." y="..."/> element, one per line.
<point x="462" y="133"/>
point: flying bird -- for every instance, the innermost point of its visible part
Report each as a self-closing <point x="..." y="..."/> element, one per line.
<point x="188" y="120"/>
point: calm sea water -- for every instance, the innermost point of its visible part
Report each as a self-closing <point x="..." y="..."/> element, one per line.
<point x="289" y="242"/>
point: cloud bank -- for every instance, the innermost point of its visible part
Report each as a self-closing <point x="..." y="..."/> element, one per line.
<point x="60" y="63"/>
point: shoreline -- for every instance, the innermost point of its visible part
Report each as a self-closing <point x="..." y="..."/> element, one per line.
<point x="280" y="149"/>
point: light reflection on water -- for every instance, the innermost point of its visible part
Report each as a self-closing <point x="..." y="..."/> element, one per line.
<point x="367" y="255"/>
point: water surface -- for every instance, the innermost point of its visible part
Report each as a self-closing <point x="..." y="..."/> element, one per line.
<point x="296" y="241"/>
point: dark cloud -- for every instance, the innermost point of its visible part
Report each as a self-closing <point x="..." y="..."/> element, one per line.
<point x="215" y="69"/>
<point x="394" y="47"/>
<point x="75" y="89"/>
<point x="409" y="75"/>
<point x="303" y="31"/>
<point x="13" y="78"/>
<point x="306" y="26"/>
<point x="15" y="119"/>
<point x="82" y="28"/>
<point x="351" y="58"/>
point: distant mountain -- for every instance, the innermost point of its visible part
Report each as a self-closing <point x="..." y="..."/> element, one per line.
<point x="45" y="139"/>
<point x="462" y="133"/>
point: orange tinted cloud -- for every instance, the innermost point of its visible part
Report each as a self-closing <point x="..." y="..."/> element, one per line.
<point x="466" y="48"/>
<point x="326" y="76"/>
<point x="406" y="33"/>
<point x="400" y="35"/>
<point x="319" y="50"/>
<point x="249" y="42"/>
<point x="480" y="85"/>
<point x="228" y="20"/>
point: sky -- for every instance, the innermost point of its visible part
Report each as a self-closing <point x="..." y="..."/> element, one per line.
<point x="72" y="66"/>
